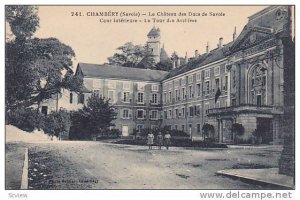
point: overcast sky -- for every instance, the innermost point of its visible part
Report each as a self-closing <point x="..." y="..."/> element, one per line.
<point x="93" y="41"/>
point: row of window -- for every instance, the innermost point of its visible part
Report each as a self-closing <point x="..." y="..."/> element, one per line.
<point x="111" y="84"/>
<point x="140" y="98"/>
<point x="140" y="114"/>
<point x="190" y="111"/>
<point x="197" y="91"/>
<point x="190" y="78"/>
<point x="126" y="97"/>
<point x="183" y="127"/>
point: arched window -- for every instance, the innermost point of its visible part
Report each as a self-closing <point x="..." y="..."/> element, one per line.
<point x="257" y="85"/>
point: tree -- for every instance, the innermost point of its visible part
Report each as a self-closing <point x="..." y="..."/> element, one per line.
<point x="58" y="123"/>
<point x="129" y="55"/>
<point x="35" y="69"/>
<point x="23" y="20"/>
<point x="95" y="117"/>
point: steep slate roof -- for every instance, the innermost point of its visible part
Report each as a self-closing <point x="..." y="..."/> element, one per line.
<point x="114" y="71"/>
<point x="212" y="56"/>
<point x="163" y="55"/>
<point x="154" y="32"/>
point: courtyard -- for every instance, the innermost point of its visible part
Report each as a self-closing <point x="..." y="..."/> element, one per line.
<point x="99" y="165"/>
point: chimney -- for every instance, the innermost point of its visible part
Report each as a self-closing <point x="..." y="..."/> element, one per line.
<point x="207" y="48"/>
<point x="234" y="34"/>
<point x="186" y="58"/>
<point x="196" y="53"/>
<point x="220" y="43"/>
<point x="174" y="64"/>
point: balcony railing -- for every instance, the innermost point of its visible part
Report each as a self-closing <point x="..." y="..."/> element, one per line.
<point x="246" y="108"/>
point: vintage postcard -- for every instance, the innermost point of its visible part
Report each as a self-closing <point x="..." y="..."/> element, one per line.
<point x="150" y="97"/>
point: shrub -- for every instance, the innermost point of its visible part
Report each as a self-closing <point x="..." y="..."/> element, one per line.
<point x="178" y="133"/>
<point x="238" y="129"/>
<point x="109" y="133"/>
<point x="26" y="119"/>
<point x="207" y="129"/>
<point x="58" y="123"/>
<point x="93" y="119"/>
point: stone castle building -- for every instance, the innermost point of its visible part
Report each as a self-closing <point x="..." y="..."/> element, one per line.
<point x="238" y="82"/>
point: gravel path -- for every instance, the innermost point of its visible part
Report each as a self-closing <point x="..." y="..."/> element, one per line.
<point x="96" y="165"/>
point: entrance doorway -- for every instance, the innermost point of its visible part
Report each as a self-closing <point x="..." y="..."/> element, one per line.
<point x="264" y="128"/>
<point x="125" y="130"/>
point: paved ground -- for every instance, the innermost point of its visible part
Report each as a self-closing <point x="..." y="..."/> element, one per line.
<point x="262" y="176"/>
<point x="14" y="164"/>
<point x="96" y="165"/>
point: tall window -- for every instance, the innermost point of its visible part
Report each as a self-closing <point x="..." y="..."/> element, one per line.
<point x="170" y="114"/>
<point x="81" y="98"/>
<point x="183" y="93"/>
<point x="154" y="98"/>
<point x="71" y="98"/>
<point x="183" y="81"/>
<point x="170" y="97"/>
<point x="183" y="112"/>
<point x="190" y="79"/>
<point x="206" y="107"/>
<point x="154" y="114"/>
<point x="198" y="128"/>
<point x="199" y="89"/>
<point x="217" y="71"/>
<point x="191" y="95"/>
<point x="207" y="73"/>
<point x="176" y="113"/>
<point x="140" y="97"/>
<point x="125" y="114"/>
<point x="177" y="98"/>
<point x="165" y="97"/>
<point x="191" y="111"/>
<point x="126" y="96"/>
<point x="198" y="76"/>
<point x="139" y="127"/>
<point x="165" y="114"/>
<point x="226" y="83"/>
<point x="217" y="83"/>
<point x="207" y="87"/>
<point x="140" y="114"/>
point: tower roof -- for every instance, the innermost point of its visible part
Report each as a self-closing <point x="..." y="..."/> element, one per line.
<point x="154" y="32"/>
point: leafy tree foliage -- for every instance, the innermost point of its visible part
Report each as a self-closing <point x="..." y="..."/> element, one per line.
<point x="35" y="69"/>
<point x="137" y="56"/>
<point x="23" y="20"/>
<point x="26" y="119"/>
<point x="207" y="130"/>
<point x="93" y="118"/>
<point x="58" y="123"/>
<point x="129" y="55"/>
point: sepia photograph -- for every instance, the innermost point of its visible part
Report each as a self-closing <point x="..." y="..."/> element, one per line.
<point x="150" y="97"/>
